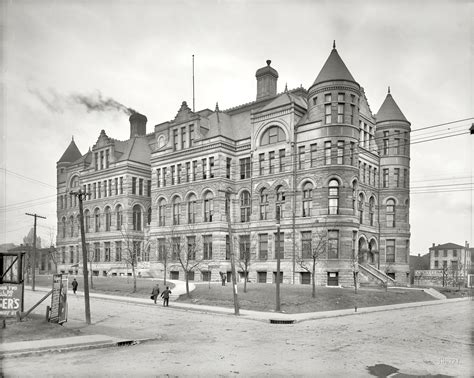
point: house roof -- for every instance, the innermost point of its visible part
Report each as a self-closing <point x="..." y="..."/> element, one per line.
<point x="447" y="246"/>
<point x="71" y="154"/>
<point x="389" y="111"/>
<point x="334" y="69"/>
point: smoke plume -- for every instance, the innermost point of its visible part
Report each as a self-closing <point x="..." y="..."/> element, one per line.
<point x="94" y="102"/>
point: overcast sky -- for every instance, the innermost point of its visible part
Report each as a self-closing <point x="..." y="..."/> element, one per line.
<point x="139" y="53"/>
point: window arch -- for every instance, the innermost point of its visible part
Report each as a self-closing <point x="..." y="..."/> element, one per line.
<point x="245" y="206"/>
<point x="280" y="202"/>
<point x="371" y="210"/>
<point x="64" y="227"/>
<point x="208" y="207"/>
<point x="333" y="196"/>
<point x="192" y="208"/>
<point x="360" y="207"/>
<point x="176" y="210"/>
<point x="272" y="135"/>
<point x="148" y="216"/>
<point x="74" y="183"/>
<point x="390" y="213"/>
<point x="263" y="204"/>
<point x="71" y="225"/>
<point x="108" y="218"/>
<point x="137" y="218"/>
<point x="97" y="220"/>
<point x="307" y="199"/>
<point x="354" y="196"/>
<point x="87" y="221"/>
<point x="119" y="215"/>
<point x="161" y="212"/>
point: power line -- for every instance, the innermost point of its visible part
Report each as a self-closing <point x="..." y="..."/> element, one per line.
<point x="26" y="177"/>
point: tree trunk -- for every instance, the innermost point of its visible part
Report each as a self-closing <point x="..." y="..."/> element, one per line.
<point x="164" y="273"/>
<point x="355" y="281"/>
<point x="313" y="281"/>
<point x="186" y="275"/>
<point x="91" y="273"/>
<point x="134" y="279"/>
<point x="246" y="273"/>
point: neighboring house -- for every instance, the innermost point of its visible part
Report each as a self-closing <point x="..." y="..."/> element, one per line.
<point x="319" y="155"/>
<point x="450" y="256"/>
<point x="45" y="258"/>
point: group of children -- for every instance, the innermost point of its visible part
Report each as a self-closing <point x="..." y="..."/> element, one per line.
<point x="165" y="294"/>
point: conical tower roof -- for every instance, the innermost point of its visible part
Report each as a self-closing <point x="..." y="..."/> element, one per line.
<point x="334" y="69"/>
<point x="71" y="154"/>
<point x="389" y="111"/>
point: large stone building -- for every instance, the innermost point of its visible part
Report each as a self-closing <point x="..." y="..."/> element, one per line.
<point x="338" y="173"/>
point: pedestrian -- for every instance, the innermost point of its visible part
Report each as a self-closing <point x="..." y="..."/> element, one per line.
<point x="74" y="285"/>
<point x="166" y="296"/>
<point x="155" y="292"/>
<point x="223" y="278"/>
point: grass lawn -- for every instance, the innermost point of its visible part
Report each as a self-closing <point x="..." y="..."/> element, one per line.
<point x="110" y="285"/>
<point x="297" y="298"/>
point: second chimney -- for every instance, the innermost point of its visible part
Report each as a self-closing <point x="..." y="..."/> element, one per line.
<point x="137" y="125"/>
<point x="266" y="81"/>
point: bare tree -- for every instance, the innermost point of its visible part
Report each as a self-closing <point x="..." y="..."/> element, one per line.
<point x="186" y="250"/>
<point x="245" y="253"/>
<point x="355" y="268"/>
<point x="164" y="254"/>
<point x="313" y="249"/>
<point x="131" y="254"/>
<point x="28" y="239"/>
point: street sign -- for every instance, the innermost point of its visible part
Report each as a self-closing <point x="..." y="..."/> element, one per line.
<point x="10" y="299"/>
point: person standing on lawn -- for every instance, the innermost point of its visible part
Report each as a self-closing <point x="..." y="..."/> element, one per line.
<point x="155" y="292"/>
<point x="166" y="296"/>
<point x="74" y="285"/>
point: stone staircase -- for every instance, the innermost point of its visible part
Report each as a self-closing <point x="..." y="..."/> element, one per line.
<point x="369" y="275"/>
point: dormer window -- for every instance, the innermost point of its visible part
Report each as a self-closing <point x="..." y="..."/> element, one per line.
<point x="273" y="135"/>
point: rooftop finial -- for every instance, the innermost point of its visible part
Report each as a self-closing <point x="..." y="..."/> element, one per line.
<point x="268" y="62"/>
<point x="217" y="107"/>
<point x="334" y="44"/>
<point x="389" y="89"/>
<point x="73" y="138"/>
<point x="286" y="87"/>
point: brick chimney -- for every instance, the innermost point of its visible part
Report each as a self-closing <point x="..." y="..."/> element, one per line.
<point x="267" y="78"/>
<point x="137" y="125"/>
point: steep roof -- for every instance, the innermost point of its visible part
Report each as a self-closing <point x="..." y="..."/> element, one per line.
<point x="389" y="111"/>
<point x="136" y="149"/>
<point x="334" y="69"/>
<point x="71" y="154"/>
<point x="447" y="246"/>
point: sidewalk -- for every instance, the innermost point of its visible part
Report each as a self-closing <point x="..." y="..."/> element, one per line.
<point x="100" y="341"/>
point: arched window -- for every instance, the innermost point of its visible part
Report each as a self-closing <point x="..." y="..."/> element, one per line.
<point x="407" y="211"/>
<point x="273" y="134"/>
<point x="119" y="215"/>
<point x="64" y="227"/>
<point x="108" y="218"/>
<point x="263" y="204"/>
<point x="74" y="182"/>
<point x="192" y="209"/>
<point x="137" y="218"/>
<point x="361" y="208"/>
<point x="97" y="220"/>
<point x="307" y="199"/>
<point x="371" y="210"/>
<point x="333" y="196"/>
<point x="87" y="221"/>
<point x="390" y="213"/>
<point x="149" y="216"/>
<point x="280" y="202"/>
<point x="71" y="226"/>
<point x="208" y="207"/>
<point x="161" y="212"/>
<point x="245" y="206"/>
<point x="176" y="210"/>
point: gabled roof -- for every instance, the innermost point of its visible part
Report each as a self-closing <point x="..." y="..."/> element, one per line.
<point x="71" y="154"/>
<point x="136" y="149"/>
<point x="389" y="111"/>
<point x="334" y="69"/>
<point x="447" y="246"/>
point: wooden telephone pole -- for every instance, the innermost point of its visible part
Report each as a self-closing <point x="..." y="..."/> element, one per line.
<point x="232" y="257"/>
<point x="34" y="247"/>
<point x="81" y="195"/>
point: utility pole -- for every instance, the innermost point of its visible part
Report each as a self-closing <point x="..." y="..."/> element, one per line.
<point x="81" y="195"/>
<point x="277" y="252"/>
<point x="34" y="248"/>
<point x="232" y="260"/>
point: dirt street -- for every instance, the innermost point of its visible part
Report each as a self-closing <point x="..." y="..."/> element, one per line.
<point x="419" y="341"/>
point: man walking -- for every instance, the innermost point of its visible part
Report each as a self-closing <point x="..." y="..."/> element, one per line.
<point x="74" y="285"/>
<point x="155" y="292"/>
<point x="166" y="296"/>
